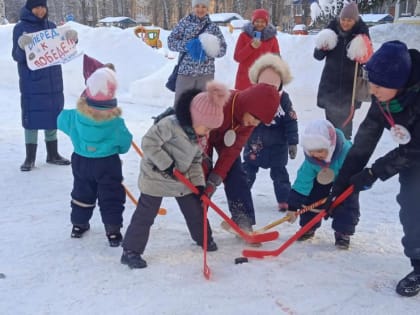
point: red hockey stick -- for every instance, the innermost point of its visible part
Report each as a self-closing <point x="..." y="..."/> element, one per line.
<point x="299" y="233"/>
<point x="206" y="268"/>
<point x="249" y="238"/>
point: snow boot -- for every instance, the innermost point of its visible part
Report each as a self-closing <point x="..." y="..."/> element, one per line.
<point x="52" y="154"/>
<point x="308" y="235"/>
<point x="79" y="230"/>
<point x="113" y="234"/>
<point x="409" y="285"/>
<point x="342" y="241"/>
<point x="133" y="259"/>
<point x="211" y="246"/>
<point x="29" y="163"/>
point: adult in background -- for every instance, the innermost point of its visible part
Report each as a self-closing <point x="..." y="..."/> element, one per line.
<point x="257" y="38"/>
<point x="201" y="41"/>
<point x="336" y="85"/>
<point x="41" y="90"/>
<point x="394" y="76"/>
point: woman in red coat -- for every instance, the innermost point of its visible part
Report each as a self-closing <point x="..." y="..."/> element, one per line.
<point x="257" y="38"/>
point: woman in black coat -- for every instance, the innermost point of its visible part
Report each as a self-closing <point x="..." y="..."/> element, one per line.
<point x="394" y="76"/>
<point x="41" y="90"/>
<point x="336" y="85"/>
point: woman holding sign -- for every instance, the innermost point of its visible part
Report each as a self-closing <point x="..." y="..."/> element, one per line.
<point x="257" y="38"/>
<point x="41" y="90"/>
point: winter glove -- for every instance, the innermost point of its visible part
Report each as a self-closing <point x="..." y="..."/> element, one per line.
<point x="200" y="189"/>
<point x="292" y="216"/>
<point x="213" y="181"/>
<point x="24" y="40"/>
<point x="170" y="170"/>
<point x="196" y="51"/>
<point x="71" y="35"/>
<point x="363" y="180"/>
<point x="292" y="151"/>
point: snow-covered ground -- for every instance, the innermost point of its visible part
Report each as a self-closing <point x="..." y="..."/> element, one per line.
<point x="47" y="272"/>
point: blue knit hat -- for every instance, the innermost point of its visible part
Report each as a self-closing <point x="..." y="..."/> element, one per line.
<point x="390" y="65"/>
<point x="30" y="4"/>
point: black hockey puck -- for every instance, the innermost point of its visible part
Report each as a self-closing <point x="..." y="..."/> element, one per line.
<point x="241" y="260"/>
<point x="2" y="276"/>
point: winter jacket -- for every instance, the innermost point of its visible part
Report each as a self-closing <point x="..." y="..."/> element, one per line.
<point x="187" y="29"/>
<point x="405" y="156"/>
<point x="165" y="143"/>
<point x="95" y="137"/>
<point x="41" y="90"/>
<point x="246" y="55"/>
<point x="310" y="167"/>
<point x="336" y="84"/>
<point x="240" y="102"/>
<point x="266" y="143"/>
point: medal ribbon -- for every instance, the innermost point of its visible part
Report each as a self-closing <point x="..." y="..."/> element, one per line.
<point x="387" y="114"/>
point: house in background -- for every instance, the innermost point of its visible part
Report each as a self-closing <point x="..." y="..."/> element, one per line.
<point x="223" y="19"/>
<point x="118" y="21"/>
<point x="374" y="19"/>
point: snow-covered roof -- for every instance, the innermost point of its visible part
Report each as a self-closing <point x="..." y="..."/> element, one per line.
<point x="116" y="19"/>
<point x="225" y="17"/>
<point x="375" y="18"/>
<point x="238" y="23"/>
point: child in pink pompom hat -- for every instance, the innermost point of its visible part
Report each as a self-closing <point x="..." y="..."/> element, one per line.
<point x="173" y="142"/>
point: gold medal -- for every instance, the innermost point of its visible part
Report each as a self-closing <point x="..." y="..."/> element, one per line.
<point x="400" y="134"/>
<point x="325" y="176"/>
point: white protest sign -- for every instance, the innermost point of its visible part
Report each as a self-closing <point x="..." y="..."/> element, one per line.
<point x="49" y="47"/>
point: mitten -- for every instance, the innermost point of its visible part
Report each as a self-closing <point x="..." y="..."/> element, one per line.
<point x="292" y="151"/>
<point x="360" y="49"/>
<point x="200" y="189"/>
<point x="213" y="181"/>
<point x="326" y="40"/>
<point x="292" y="216"/>
<point x="71" y="35"/>
<point x="195" y="50"/>
<point x="24" y="40"/>
<point x="170" y="170"/>
<point x="363" y="180"/>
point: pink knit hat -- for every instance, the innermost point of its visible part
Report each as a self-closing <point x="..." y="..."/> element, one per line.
<point x="260" y="14"/>
<point x="100" y="89"/>
<point x="207" y="107"/>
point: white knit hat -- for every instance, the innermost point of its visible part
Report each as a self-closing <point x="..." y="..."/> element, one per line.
<point x="319" y="134"/>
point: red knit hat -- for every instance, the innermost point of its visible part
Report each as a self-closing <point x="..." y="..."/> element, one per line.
<point x="260" y="14"/>
<point x="207" y="107"/>
<point x="260" y="100"/>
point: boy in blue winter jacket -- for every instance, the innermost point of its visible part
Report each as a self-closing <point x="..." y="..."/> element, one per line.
<point x="325" y="149"/>
<point x="270" y="145"/>
<point x="99" y="135"/>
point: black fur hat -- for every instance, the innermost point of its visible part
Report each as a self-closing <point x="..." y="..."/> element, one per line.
<point x="182" y="108"/>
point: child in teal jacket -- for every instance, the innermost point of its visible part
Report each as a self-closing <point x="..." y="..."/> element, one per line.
<point x="99" y="135"/>
<point x="325" y="149"/>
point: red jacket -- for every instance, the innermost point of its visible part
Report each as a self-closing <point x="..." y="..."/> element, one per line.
<point x="261" y="101"/>
<point x="246" y="55"/>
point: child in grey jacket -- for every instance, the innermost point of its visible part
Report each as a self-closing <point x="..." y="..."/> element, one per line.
<point x="174" y="142"/>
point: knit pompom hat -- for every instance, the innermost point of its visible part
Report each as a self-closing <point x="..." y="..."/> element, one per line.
<point x="271" y="69"/>
<point x="390" y="65"/>
<point x="319" y="134"/>
<point x="260" y="14"/>
<point x="207" y="107"/>
<point x="203" y="2"/>
<point x="30" y="4"/>
<point x="350" y="11"/>
<point x="100" y="90"/>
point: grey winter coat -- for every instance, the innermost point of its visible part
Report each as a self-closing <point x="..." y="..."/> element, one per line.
<point x="164" y="143"/>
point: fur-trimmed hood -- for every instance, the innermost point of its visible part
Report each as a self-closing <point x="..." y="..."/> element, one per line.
<point x="273" y="61"/>
<point x="268" y="32"/>
<point x="97" y="114"/>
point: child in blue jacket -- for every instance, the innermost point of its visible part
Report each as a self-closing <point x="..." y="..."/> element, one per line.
<point x="99" y="135"/>
<point x="325" y="149"/>
<point x="270" y="145"/>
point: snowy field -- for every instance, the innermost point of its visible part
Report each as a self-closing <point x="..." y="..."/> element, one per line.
<point x="47" y="272"/>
